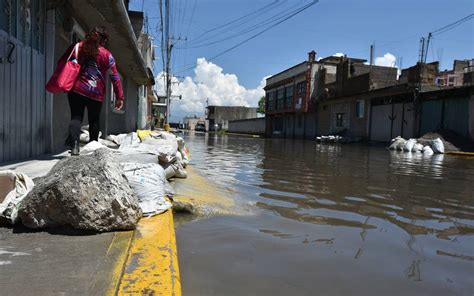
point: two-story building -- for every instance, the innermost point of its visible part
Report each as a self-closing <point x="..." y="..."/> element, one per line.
<point x="291" y="97"/>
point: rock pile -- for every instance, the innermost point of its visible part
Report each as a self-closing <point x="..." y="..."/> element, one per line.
<point x="87" y="192"/>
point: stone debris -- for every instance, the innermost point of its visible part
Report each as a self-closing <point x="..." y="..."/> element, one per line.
<point x="88" y="192"/>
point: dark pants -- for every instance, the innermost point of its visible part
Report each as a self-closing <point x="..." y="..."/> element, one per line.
<point x="78" y="103"/>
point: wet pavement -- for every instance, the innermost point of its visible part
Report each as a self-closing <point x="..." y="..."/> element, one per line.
<point x="330" y="220"/>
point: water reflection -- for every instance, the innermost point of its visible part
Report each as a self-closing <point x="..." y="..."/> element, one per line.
<point x="410" y="190"/>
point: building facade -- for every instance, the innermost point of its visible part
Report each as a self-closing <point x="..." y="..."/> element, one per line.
<point x="190" y="122"/>
<point x="349" y="97"/>
<point x="34" y="34"/>
<point x="218" y="117"/>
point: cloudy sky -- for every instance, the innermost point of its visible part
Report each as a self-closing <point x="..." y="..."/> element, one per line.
<point x="204" y="29"/>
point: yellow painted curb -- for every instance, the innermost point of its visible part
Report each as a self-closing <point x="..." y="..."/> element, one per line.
<point x="152" y="263"/>
<point x="119" y="246"/>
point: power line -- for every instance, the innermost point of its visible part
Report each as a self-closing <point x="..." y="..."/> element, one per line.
<point x="257" y="26"/>
<point x="453" y="25"/>
<point x="257" y="34"/>
<point x="234" y="21"/>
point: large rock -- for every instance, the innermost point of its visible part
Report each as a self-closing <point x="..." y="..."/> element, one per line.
<point x="84" y="192"/>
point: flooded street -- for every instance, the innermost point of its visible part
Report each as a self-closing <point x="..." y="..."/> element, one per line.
<point x="330" y="220"/>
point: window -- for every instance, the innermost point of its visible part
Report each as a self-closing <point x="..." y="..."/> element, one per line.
<point x="300" y="121"/>
<point x="340" y="120"/>
<point x="271" y="101"/>
<point x="301" y="87"/>
<point x="289" y="97"/>
<point x="360" y="109"/>
<point x="281" y="99"/>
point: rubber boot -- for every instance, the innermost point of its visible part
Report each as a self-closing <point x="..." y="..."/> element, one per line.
<point x="75" y="148"/>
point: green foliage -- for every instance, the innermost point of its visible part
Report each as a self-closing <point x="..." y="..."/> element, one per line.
<point x="261" y="105"/>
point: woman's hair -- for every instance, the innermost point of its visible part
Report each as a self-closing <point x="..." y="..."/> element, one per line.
<point x="96" y="37"/>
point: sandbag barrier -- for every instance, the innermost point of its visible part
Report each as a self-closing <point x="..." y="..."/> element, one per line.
<point x="146" y="159"/>
<point x="412" y="145"/>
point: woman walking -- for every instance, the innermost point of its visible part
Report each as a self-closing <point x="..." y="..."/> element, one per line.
<point x="89" y="89"/>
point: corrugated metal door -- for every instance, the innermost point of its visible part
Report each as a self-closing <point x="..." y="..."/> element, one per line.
<point x="397" y="120"/>
<point x="381" y="123"/>
<point x="408" y="121"/>
<point x="431" y="113"/>
<point x="456" y="116"/>
<point x="22" y="81"/>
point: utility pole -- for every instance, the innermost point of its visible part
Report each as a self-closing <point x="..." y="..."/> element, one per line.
<point x="371" y="55"/>
<point x="168" y="60"/>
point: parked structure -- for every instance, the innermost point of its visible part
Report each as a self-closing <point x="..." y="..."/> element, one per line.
<point x="190" y="122"/>
<point x="221" y="115"/>
<point x="33" y="36"/>
<point x="159" y="112"/>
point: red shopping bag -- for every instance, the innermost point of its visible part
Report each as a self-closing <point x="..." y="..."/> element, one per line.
<point x="66" y="73"/>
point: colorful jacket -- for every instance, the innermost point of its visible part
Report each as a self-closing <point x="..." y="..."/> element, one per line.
<point x="92" y="78"/>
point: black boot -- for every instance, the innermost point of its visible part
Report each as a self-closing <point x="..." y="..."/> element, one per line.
<point x="75" y="148"/>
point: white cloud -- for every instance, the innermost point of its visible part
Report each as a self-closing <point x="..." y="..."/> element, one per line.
<point x="388" y="60"/>
<point x="209" y="82"/>
<point x="338" y="54"/>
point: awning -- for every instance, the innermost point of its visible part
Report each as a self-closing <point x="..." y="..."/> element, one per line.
<point x="113" y="15"/>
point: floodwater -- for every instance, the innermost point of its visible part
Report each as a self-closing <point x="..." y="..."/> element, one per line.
<point x="330" y="220"/>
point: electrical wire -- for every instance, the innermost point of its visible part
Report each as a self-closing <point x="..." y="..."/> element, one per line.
<point x="257" y="26"/>
<point x="235" y="20"/>
<point x="453" y="25"/>
<point x="256" y="35"/>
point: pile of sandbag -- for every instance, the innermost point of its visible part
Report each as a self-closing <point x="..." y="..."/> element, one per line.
<point x="330" y="139"/>
<point x="171" y="150"/>
<point x="103" y="189"/>
<point x="412" y="145"/>
<point x="14" y="186"/>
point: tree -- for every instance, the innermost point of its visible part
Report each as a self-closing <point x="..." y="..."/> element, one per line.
<point x="261" y="105"/>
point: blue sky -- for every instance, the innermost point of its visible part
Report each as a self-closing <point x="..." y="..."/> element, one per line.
<point x="329" y="27"/>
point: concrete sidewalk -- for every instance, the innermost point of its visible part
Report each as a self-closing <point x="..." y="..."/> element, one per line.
<point x="68" y="262"/>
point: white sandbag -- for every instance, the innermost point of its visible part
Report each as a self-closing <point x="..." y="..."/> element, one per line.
<point x="417" y="148"/>
<point x="84" y="137"/>
<point x="179" y="159"/>
<point x="13" y="189"/>
<point x="169" y="190"/>
<point x="167" y="135"/>
<point x="148" y="183"/>
<point x="408" y="146"/>
<point x="108" y="143"/>
<point x="130" y="140"/>
<point x="118" y="139"/>
<point x="143" y="158"/>
<point x="397" y="143"/>
<point x="170" y="172"/>
<point x="91" y="147"/>
<point x="175" y="170"/>
<point x="437" y="145"/>
<point x="165" y="148"/>
<point x="180" y="143"/>
<point x="427" y="150"/>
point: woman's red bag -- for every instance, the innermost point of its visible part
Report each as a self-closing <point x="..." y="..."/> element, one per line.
<point x="66" y="73"/>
